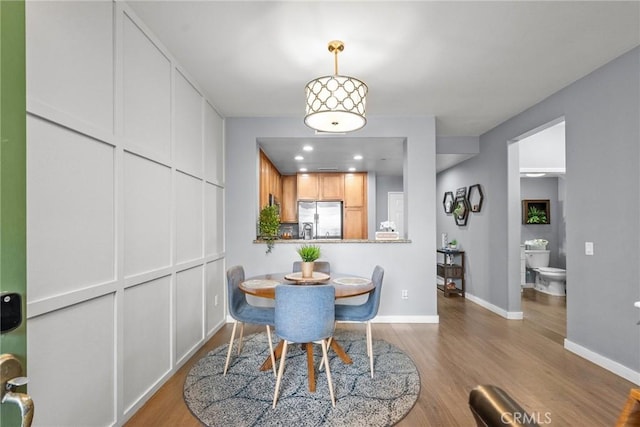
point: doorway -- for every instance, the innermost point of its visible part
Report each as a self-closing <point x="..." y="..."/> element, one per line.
<point x="537" y="171"/>
<point x="395" y="210"/>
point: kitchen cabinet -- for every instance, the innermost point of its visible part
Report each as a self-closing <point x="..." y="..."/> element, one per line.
<point x="288" y="203"/>
<point x="351" y="188"/>
<point x="355" y="190"/>
<point x="270" y="180"/>
<point x="355" y="206"/>
<point x="264" y="180"/>
<point x="451" y="270"/>
<point x="331" y="186"/>
<point x="355" y="223"/>
<point x="307" y="186"/>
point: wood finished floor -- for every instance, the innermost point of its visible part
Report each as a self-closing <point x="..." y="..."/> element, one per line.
<point x="470" y="346"/>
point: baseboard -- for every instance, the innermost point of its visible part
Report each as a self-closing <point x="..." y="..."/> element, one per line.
<point x="603" y="362"/>
<point x="510" y="315"/>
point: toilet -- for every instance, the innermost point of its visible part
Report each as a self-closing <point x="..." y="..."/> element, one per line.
<point x="549" y="280"/>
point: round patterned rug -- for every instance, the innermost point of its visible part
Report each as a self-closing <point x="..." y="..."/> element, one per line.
<point x="244" y="396"/>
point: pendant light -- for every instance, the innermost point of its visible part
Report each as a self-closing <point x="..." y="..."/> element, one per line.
<point x="335" y="103"/>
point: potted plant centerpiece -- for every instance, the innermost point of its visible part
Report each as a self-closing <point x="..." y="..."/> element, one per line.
<point x="308" y="254"/>
<point x="269" y="225"/>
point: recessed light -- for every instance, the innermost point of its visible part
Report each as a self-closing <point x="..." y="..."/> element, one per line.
<point x="299" y="157"/>
<point x="307" y="148"/>
<point x="303" y="169"/>
<point x="534" y="175"/>
<point x="357" y="157"/>
<point x="352" y="169"/>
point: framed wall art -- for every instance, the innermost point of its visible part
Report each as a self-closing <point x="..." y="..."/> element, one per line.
<point x="535" y="212"/>
<point x="447" y="202"/>
<point x="461" y="207"/>
<point x="475" y="197"/>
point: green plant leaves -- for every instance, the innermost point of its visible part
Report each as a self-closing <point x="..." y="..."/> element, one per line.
<point x="308" y="253"/>
<point x="536" y="216"/>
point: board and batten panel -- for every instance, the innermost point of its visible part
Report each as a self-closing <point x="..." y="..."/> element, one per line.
<point x="214" y="214"/>
<point x="70" y="59"/>
<point x="188" y="127"/>
<point x="188" y="217"/>
<point x="70" y="210"/>
<point x="189" y="314"/>
<point x="147" y="215"/>
<point x="215" y="284"/>
<point x="213" y="145"/>
<point x="147" y="337"/>
<point x="146" y="93"/>
<point x="71" y="358"/>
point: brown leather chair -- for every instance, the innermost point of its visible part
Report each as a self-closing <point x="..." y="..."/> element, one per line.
<point x="493" y="407"/>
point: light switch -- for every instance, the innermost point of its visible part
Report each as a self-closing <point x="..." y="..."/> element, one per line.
<point x="588" y="248"/>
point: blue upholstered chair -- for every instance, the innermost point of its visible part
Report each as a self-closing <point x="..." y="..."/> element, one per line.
<point x="319" y="266"/>
<point x="364" y="312"/>
<point x="304" y="314"/>
<point x="242" y="312"/>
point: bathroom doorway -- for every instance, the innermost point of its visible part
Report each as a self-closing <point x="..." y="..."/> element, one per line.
<point x="537" y="173"/>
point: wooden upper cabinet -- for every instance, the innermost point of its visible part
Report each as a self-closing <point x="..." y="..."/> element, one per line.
<point x="331" y="186"/>
<point x="270" y="180"/>
<point x="288" y="202"/>
<point x="264" y="180"/>
<point x="307" y="186"/>
<point x="355" y="190"/>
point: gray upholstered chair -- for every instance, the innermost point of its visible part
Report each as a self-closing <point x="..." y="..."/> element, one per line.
<point x="319" y="266"/>
<point x="304" y="314"/>
<point x="242" y="312"/>
<point x="364" y="312"/>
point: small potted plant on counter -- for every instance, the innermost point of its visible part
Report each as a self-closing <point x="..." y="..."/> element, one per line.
<point x="269" y="225"/>
<point x="308" y="254"/>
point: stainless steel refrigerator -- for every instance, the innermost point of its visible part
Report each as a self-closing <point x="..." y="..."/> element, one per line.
<point x="322" y="220"/>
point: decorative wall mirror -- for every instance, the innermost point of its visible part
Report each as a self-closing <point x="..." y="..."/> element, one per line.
<point x="475" y="198"/>
<point x="447" y="202"/>
<point x="461" y="207"/>
<point x="535" y="212"/>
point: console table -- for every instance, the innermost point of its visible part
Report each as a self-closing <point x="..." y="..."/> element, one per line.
<point x="451" y="270"/>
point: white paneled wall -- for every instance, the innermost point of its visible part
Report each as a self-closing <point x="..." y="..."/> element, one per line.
<point x="125" y="192"/>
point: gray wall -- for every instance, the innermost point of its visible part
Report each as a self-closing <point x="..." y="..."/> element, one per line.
<point x="602" y="142"/>
<point x="241" y="210"/>
<point x="546" y="188"/>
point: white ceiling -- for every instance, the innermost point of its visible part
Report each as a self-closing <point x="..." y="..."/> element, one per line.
<point x="470" y="64"/>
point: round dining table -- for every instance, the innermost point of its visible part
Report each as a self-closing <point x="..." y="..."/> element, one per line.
<point x="346" y="286"/>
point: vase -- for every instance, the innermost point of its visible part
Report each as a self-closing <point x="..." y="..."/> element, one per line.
<point x="307" y="269"/>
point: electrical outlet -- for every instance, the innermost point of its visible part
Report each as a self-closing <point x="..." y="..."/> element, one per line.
<point x="215" y="300"/>
<point x="405" y="294"/>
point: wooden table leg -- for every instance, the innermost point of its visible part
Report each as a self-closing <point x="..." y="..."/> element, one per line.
<point x="340" y="352"/>
<point x="311" y="369"/>
<point x="277" y="352"/>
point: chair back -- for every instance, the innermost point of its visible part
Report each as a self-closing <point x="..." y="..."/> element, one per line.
<point x="305" y="313"/>
<point x="235" y="276"/>
<point x="319" y="266"/>
<point x="373" y="302"/>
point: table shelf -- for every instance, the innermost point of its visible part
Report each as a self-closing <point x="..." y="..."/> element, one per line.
<point x="451" y="270"/>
